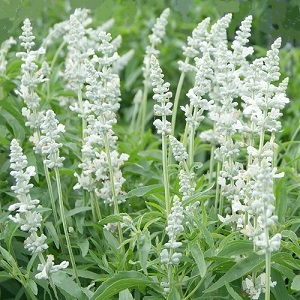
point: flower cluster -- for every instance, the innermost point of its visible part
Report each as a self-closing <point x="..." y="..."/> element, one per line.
<point x="4" y="48"/>
<point x="103" y="92"/>
<point x="78" y="49"/>
<point x="158" y="32"/>
<point x="254" y="289"/>
<point x="178" y="149"/>
<point x="261" y="206"/>
<point x="169" y="256"/>
<point x="46" y="144"/>
<point x="31" y="76"/>
<point x="194" y="42"/>
<point x="27" y="216"/>
<point x="241" y="127"/>
<point x="162" y="96"/>
<point x="48" y="268"/>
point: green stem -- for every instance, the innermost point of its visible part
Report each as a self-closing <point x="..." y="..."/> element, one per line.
<point x="113" y="189"/>
<point x="42" y="260"/>
<point x="186" y="129"/>
<point x="191" y="146"/>
<point x="53" y="205"/>
<point x="134" y="123"/>
<point x="195" y="289"/>
<point x="165" y="172"/>
<point x="268" y="274"/>
<point x="95" y="206"/>
<point x="51" y="194"/>
<point x="170" y="271"/>
<point x="83" y="120"/>
<point x="64" y="222"/>
<point x="144" y="107"/>
<point x="56" y="54"/>
<point x="176" y="99"/>
<point x="217" y="187"/>
<point x="211" y="163"/>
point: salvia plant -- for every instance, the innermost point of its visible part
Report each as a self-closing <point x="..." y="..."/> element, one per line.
<point x="95" y="207"/>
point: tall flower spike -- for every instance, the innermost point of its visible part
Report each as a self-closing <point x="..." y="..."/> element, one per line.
<point x="199" y="35"/>
<point x="218" y="32"/>
<point x="27" y="37"/>
<point x="178" y="149"/>
<point x="272" y="62"/>
<point x="18" y="162"/>
<point x="4" y="48"/>
<point x="47" y="146"/>
<point x="161" y="95"/>
<point x="241" y="39"/>
<point x="174" y="227"/>
<point x="158" y="30"/>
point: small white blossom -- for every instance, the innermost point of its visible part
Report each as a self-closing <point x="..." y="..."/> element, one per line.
<point x="4" y="48"/>
<point x="178" y="149"/>
<point x="48" y="268"/>
<point x="36" y="244"/>
<point x="254" y="289"/>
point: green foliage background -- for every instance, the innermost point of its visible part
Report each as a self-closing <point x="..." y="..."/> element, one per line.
<point x="133" y="20"/>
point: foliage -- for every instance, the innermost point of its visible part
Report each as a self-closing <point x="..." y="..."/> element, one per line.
<point x="143" y="222"/>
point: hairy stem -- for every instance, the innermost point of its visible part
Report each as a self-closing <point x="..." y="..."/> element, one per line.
<point x="64" y="222"/>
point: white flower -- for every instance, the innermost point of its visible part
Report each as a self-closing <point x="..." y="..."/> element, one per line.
<point x="178" y="149"/>
<point x="158" y="30"/>
<point x="30" y="221"/>
<point x="174" y="227"/>
<point x="254" y="289"/>
<point x="4" y="48"/>
<point x="199" y="35"/>
<point x="161" y="95"/>
<point x="48" y="268"/>
<point x="241" y="39"/>
<point x="27" y="37"/>
<point x="35" y="243"/>
<point x="49" y="148"/>
<point x="187" y="184"/>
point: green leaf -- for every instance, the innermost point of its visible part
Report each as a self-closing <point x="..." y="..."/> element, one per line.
<point x="52" y="231"/>
<point x="280" y="291"/>
<point x="174" y="294"/>
<point x="112" y="242"/>
<point x="146" y="190"/>
<point x="296" y="283"/>
<point x="13" y="119"/>
<point x="281" y="203"/>
<point x="84" y="247"/>
<point x="125" y="295"/>
<point x="119" y="282"/>
<point x="141" y="170"/>
<point x="235" y="247"/>
<point x="113" y="219"/>
<point x="33" y="286"/>
<point x="9" y="259"/>
<point x="199" y="196"/>
<point x="242" y="268"/>
<point x="144" y="247"/>
<point x="76" y="211"/>
<point x="9" y="232"/>
<point x="199" y="258"/>
<point x="232" y="292"/>
<point x="67" y="286"/>
<point x="291" y="235"/>
<point x="286" y="259"/>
